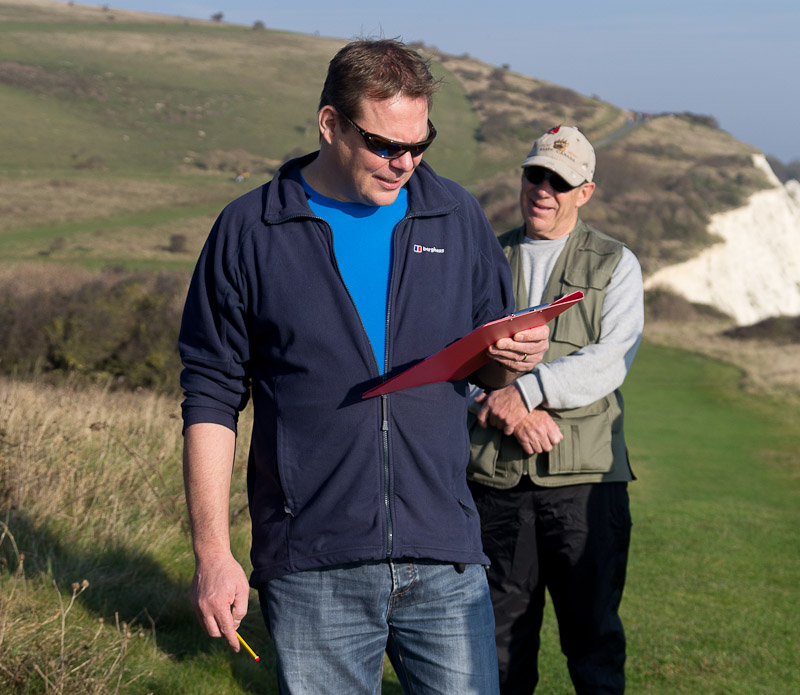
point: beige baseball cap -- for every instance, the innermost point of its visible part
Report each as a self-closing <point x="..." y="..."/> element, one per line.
<point x="566" y="151"/>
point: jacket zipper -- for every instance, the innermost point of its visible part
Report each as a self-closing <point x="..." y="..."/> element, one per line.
<point x="385" y="404"/>
<point x="385" y="400"/>
<point x="384" y="426"/>
<point x="386" y="500"/>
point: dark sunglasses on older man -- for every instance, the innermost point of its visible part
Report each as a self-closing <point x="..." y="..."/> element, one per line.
<point x="537" y="175"/>
<point x="391" y="149"/>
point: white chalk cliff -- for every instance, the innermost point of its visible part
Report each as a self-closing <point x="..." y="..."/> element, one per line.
<point x="754" y="272"/>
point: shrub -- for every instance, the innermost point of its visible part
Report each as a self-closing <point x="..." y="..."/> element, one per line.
<point x="119" y="326"/>
<point x="783" y="330"/>
<point x="557" y="95"/>
<point x="663" y="305"/>
<point x="128" y="331"/>
<point x="699" y="119"/>
<point x="177" y="243"/>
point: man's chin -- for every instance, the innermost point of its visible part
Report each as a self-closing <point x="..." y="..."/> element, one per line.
<point x="383" y="196"/>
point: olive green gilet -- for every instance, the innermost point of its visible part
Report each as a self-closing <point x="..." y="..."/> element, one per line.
<point x="593" y="448"/>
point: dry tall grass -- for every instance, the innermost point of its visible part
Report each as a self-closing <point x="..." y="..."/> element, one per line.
<point x="28" y="203"/>
<point x="94" y="550"/>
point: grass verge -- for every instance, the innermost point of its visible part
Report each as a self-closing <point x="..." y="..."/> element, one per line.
<point x="90" y="489"/>
<point x="710" y="602"/>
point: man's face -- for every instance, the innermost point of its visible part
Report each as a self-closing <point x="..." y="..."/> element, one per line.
<point x="362" y="176"/>
<point x="549" y="214"/>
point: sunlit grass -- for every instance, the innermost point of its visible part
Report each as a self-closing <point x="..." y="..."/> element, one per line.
<point x="90" y="489"/>
<point x="710" y="602"/>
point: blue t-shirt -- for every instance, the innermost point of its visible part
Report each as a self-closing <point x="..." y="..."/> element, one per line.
<point x="362" y="244"/>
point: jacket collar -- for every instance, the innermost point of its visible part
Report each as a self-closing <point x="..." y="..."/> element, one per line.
<point x="284" y="198"/>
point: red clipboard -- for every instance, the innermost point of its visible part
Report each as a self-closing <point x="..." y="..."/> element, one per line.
<point x="459" y="359"/>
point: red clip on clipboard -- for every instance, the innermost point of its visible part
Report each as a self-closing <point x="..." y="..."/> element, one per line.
<point x="459" y="359"/>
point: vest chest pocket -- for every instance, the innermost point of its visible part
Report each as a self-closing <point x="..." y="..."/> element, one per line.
<point x="586" y="447"/>
<point x="581" y="325"/>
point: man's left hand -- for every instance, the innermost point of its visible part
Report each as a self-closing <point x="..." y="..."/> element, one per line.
<point x="521" y="352"/>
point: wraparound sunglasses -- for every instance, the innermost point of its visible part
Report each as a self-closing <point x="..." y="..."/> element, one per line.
<point x="391" y="149"/>
<point x="536" y="175"/>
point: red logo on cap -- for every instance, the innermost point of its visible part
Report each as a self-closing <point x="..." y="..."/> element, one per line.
<point x="554" y="130"/>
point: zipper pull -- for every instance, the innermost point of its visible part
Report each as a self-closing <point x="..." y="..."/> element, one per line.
<point x="384" y="414"/>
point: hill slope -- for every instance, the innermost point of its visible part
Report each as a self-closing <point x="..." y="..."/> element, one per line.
<point x="125" y="133"/>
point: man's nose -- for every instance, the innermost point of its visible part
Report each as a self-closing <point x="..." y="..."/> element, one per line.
<point x="405" y="162"/>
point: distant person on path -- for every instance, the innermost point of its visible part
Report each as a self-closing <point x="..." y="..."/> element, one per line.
<point x="351" y="264"/>
<point x="549" y="465"/>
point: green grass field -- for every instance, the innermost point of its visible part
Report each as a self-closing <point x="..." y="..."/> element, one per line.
<point x="715" y="563"/>
<point x="91" y="489"/>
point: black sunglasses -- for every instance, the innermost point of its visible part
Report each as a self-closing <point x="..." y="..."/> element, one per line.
<point x="537" y="175"/>
<point x="391" y="149"/>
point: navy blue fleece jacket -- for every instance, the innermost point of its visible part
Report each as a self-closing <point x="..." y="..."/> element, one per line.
<point x="333" y="478"/>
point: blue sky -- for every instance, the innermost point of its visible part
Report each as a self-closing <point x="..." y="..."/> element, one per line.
<point x="737" y="61"/>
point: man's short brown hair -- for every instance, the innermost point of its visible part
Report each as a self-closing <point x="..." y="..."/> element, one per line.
<point x="376" y="69"/>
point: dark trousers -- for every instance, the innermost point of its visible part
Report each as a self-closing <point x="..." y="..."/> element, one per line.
<point x="572" y="541"/>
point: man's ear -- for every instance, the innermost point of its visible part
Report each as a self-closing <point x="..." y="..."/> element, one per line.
<point x="328" y="119"/>
<point x="585" y="193"/>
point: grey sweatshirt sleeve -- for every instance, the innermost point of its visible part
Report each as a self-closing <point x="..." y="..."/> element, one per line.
<point x="595" y="370"/>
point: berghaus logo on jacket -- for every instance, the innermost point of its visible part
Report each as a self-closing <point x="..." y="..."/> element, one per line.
<point x="427" y="249"/>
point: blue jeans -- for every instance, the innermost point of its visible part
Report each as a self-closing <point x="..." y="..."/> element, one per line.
<point x="331" y="627"/>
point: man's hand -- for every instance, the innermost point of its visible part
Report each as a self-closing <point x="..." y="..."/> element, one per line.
<point x="521" y="352"/>
<point x="503" y="409"/>
<point x="220" y="594"/>
<point x="537" y="432"/>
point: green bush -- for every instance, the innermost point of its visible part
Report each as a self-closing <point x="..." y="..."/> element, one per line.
<point x="783" y="330"/>
<point x="119" y="327"/>
<point x="128" y="331"/>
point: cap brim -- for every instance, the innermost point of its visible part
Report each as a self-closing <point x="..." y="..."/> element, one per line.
<point x="571" y="176"/>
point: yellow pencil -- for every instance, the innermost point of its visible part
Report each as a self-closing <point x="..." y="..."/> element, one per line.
<point x="247" y="647"/>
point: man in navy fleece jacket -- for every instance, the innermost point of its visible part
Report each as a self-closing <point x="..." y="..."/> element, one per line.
<point x="353" y="263"/>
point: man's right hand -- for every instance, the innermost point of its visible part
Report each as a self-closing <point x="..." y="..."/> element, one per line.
<point x="502" y="408"/>
<point x="538" y="432"/>
<point x="220" y="594"/>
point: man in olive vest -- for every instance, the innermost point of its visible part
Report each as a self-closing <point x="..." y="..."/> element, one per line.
<point x="549" y="467"/>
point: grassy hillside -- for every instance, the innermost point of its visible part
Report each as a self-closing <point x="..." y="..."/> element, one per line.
<point x="123" y="125"/>
<point x="126" y="129"/>
<point x="124" y="134"/>
<point x="95" y="559"/>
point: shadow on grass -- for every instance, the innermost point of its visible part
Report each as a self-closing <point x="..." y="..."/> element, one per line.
<point x="132" y="587"/>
